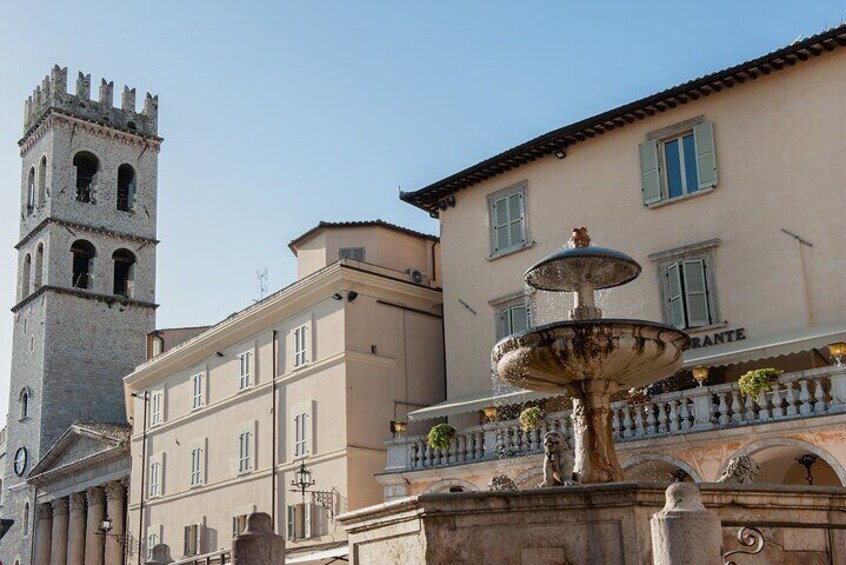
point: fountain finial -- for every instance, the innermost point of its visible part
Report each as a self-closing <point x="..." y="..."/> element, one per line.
<point x="580" y="238"/>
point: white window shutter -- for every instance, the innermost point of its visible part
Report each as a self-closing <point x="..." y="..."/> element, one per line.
<point x="696" y="299"/>
<point x="674" y="296"/>
<point x="650" y="174"/>
<point x="292" y="528"/>
<point x="307" y="520"/>
<point x="310" y="429"/>
<point x="186" y="544"/>
<point x="706" y="155"/>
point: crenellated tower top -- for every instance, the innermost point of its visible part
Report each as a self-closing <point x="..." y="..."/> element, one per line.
<point x="52" y="95"/>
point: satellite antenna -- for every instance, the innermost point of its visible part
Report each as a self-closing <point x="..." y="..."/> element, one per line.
<point x="262" y="276"/>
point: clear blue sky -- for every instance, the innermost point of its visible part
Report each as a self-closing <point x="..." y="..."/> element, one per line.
<point x="279" y="114"/>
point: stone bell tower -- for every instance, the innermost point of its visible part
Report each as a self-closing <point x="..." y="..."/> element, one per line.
<point x="86" y="274"/>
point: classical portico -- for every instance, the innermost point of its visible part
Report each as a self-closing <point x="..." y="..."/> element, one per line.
<point x="80" y="513"/>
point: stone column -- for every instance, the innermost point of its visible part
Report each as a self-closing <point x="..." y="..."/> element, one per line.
<point x="258" y="545"/>
<point x="43" y="533"/>
<point x="94" y="538"/>
<point x="59" y="539"/>
<point x="685" y="532"/>
<point x="76" y="529"/>
<point x="115" y="497"/>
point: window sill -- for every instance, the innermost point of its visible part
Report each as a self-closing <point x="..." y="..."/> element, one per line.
<point x="198" y="408"/>
<point x="508" y="252"/>
<point x="683" y="198"/>
<point x="709" y="328"/>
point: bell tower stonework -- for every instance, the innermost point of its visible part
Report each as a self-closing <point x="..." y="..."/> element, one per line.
<point x="86" y="274"/>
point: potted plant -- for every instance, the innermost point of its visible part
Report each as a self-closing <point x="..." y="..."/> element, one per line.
<point x="756" y="381"/>
<point x="440" y="436"/>
<point x="531" y="418"/>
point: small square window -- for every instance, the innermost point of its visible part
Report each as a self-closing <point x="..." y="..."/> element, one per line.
<point x="512" y="317"/>
<point x="353" y="253"/>
<point x="688" y="287"/>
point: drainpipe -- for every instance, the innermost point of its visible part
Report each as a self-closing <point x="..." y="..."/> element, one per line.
<point x="273" y="425"/>
<point x="146" y="396"/>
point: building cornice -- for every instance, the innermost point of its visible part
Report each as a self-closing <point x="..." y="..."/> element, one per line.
<point x="75" y="467"/>
<point x="54" y="116"/>
<point x="275" y="308"/>
<point x="432" y="197"/>
<point x="109" y="299"/>
<point x="82" y="227"/>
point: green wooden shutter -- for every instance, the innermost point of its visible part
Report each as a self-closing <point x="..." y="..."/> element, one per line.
<point x="519" y="318"/>
<point x="650" y="174"/>
<point x="674" y="296"/>
<point x="292" y="530"/>
<point x="696" y="294"/>
<point x="516" y="216"/>
<point x="706" y="156"/>
<point x="500" y="224"/>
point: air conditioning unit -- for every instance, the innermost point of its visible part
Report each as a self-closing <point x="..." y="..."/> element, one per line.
<point x="416" y="276"/>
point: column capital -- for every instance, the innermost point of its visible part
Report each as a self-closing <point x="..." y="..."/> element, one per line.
<point x="116" y="490"/>
<point x="95" y="496"/>
<point x="44" y="511"/>
<point x="59" y="506"/>
<point x="77" y="502"/>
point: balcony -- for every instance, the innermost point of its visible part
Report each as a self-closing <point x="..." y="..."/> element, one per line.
<point x="672" y="418"/>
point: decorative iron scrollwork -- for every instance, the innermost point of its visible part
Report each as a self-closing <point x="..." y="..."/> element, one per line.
<point x="748" y="536"/>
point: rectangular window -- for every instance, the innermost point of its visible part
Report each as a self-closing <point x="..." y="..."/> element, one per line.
<point x="354" y="253"/>
<point x="193" y="542"/>
<point x="245" y="367"/>
<point x="687" y="294"/>
<point x="513" y="318"/>
<point x="507" y="210"/>
<point x="679" y="161"/>
<point x="154" y="482"/>
<point x="197" y="466"/>
<point x="300" y="346"/>
<point x="239" y="524"/>
<point x="156" y="406"/>
<point x="301" y="434"/>
<point x="245" y="452"/>
<point x="198" y="390"/>
<point x="306" y="520"/>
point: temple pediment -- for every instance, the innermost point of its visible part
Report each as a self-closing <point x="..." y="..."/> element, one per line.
<point x="84" y="444"/>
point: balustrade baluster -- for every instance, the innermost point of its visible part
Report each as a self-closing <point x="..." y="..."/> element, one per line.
<point x="819" y="396"/>
<point x="674" y="416"/>
<point x="615" y="422"/>
<point x="638" y="418"/>
<point x="805" y="407"/>
<point x="650" y="419"/>
<point x="462" y="448"/>
<point x="790" y="399"/>
<point x="685" y="415"/>
<point x="763" y="408"/>
<point x="724" y="410"/>
<point x="479" y="445"/>
<point x="628" y="425"/>
<point x="662" y="418"/>
<point x="778" y="410"/>
<point x="427" y="451"/>
<point x="749" y="409"/>
<point x="736" y="416"/>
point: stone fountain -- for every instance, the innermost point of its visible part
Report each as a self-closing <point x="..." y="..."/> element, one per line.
<point x="588" y="357"/>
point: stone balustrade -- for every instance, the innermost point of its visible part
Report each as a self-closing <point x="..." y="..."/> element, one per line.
<point x="802" y="394"/>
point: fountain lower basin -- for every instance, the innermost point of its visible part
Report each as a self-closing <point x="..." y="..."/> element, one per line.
<point x="554" y="357"/>
<point x="589" y="360"/>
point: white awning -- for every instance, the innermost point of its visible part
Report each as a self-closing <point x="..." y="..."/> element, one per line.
<point x="474" y="402"/>
<point x="336" y="553"/>
<point x="773" y="345"/>
<point x="766" y="347"/>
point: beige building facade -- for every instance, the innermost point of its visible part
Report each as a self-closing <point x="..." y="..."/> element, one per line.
<point x="313" y="375"/>
<point x="729" y="191"/>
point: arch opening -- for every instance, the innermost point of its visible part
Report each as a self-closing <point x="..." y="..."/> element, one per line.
<point x="26" y="276"/>
<point x="126" y="188"/>
<point x="83" y="258"/>
<point x="39" y="267"/>
<point x="794" y="463"/>
<point x="124" y="272"/>
<point x="42" y="181"/>
<point x="86" y="166"/>
<point x="30" y="190"/>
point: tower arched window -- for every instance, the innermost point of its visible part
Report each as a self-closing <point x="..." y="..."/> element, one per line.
<point x="26" y="519"/>
<point x="23" y="400"/>
<point x="83" y="262"/>
<point x="42" y="181"/>
<point x="26" y="276"/>
<point x="126" y="188"/>
<point x="30" y="190"/>
<point x="86" y="166"/>
<point x="124" y="262"/>
<point x="39" y="267"/>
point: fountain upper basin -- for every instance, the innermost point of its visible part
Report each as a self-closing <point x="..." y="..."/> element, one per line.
<point x="553" y="357"/>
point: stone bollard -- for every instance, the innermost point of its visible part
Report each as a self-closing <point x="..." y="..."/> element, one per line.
<point x="685" y="532"/>
<point x="258" y="545"/>
<point x="160" y="555"/>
